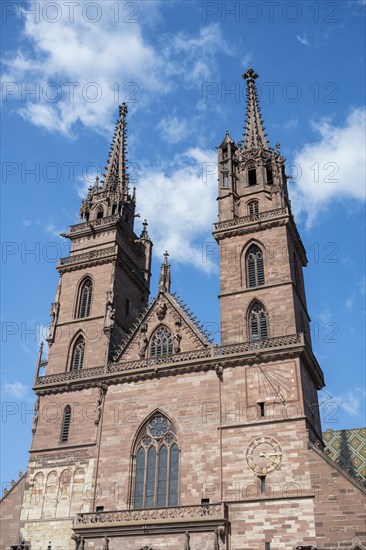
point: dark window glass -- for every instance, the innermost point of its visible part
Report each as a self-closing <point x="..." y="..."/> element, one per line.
<point x="150" y="478"/>
<point x="269" y="173"/>
<point x="114" y="209"/>
<point x="140" y="475"/>
<point x="253" y="208"/>
<point x="100" y="213"/>
<point x="258" y="327"/>
<point x="162" y="475"/>
<point x="127" y="306"/>
<point x="255" y="267"/>
<point x="161" y="342"/>
<point x="157" y="465"/>
<point x="173" y="476"/>
<point x="66" y="424"/>
<point x="85" y="299"/>
<point x="78" y="354"/>
<point x="252" y="176"/>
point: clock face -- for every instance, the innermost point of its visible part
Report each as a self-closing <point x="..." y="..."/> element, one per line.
<point x="264" y="454"/>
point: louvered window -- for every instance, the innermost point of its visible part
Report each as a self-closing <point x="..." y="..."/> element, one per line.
<point x="66" y="424"/>
<point x="253" y="208"/>
<point x="255" y="267"/>
<point x="258" y="326"/>
<point x="85" y="299"/>
<point x="77" y="361"/>
<point x="269" y="173"/>
<point x="161" y="342"/>
<point x="252" y="175"/>
<point x="157" y="465"/>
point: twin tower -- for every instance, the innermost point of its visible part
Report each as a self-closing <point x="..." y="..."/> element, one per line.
<point x="148" y="437"/>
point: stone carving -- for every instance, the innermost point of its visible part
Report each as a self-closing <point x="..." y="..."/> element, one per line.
<point x="260" y="216"/>
<point x="161" y="310"/>
<point x="54" y="311"/>
<point x="176" y="341"/>
<point x="21" y="545"/>
<point x="185" y="357"/>
<point x="106" y="543"/>
<point x="109" y="311"/>
<point x="98" y="407"/>
<point x="186" y="544"/>
<point x="143" y="343"/>
<point x="35" y="416"/>
<point x="79" y="542"/>
<point x="199" y="511"/>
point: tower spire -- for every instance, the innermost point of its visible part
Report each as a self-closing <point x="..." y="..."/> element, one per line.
<point x="116" y="177"/>
<point x="254" y="135"/>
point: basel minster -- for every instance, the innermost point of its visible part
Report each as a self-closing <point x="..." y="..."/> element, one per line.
<point x="227" y="450"/>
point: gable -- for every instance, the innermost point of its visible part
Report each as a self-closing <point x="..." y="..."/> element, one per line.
<point x="167" y="310"/>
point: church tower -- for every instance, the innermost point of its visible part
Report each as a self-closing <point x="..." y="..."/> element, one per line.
<point x="148" y="437"/>
<point x="105" y="282"/>
<point x="262" y="295"/>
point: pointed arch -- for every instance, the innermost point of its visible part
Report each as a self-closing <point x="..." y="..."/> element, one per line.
<point x="155" y="468"/>
<point x="99" y="213"/>
<point x="257" y="321"/>
<point x="254" y="265"/>
<point x="84" y="297"/>
<point x="78" y="353"/>
<point x="253" y="207"/>
<point x="65" y="426"/>
<point x="161" y="342"/>
<point x="251" y="170"/>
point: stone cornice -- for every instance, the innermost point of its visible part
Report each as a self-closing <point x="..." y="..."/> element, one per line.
<point x="245" y="353"/>
<point x="259" y="222"/>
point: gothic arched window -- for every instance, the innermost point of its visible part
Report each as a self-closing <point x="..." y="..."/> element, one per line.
<point x="269" y="172"/>
<point x="252" y="174"/>
<point x="161" y="342"/>
<point x="85" y="298"/>
<point x="258" y="322"/>
<point x="156" y="465"/>
<point x="66" y="419"/>
<point x="77" y="360"/>
<point x="254" y="266"/>
<point x="253" y="208"/>
<point x="100" y="212"/>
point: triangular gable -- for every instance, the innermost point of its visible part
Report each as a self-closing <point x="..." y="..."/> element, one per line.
<point x="169" y="310"/>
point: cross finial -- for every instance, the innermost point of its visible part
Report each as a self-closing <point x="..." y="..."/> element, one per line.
<point x="123" y="110"/>
<point x="250" y="75"/>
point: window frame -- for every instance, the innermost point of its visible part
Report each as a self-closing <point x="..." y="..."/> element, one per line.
<point x="78" y="341"/>
<point x="82" y="285"/>
<point x="169" y="345"/>
<point x="149" y="443"/>
<point x="257" y="270"/>
<point x="65" y="426"/>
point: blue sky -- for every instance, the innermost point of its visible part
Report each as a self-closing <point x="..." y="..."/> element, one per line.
<point x="178" y="65"/>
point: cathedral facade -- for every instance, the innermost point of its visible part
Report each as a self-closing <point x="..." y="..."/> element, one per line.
<point x="146" y="436"/>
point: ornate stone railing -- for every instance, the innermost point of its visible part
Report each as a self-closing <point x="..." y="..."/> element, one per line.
<point x="199" y="512"/>
<point x="87" y="256"/>
<point x="95" y="223"/>
<point x="250" y="218"/>
<point x="69" y="376"/>
<point x="209" y="353"/>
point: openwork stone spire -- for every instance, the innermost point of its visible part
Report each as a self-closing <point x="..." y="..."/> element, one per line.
<point x="165" y="278"/>
<point x="254" y="135"/>
<point x="116" y="177"/>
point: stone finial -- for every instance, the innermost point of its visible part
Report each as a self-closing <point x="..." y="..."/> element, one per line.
<point x="254" y="135"/>
<point x="144" y="232"/>
<point x="165" y="277"/>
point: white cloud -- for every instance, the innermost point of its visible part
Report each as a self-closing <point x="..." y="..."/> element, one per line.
<point x="17" y="389"/>
<point x="351" y="401"/>
<point x="173" y="129"/>
<point x="302" y="39"/>
<point x="90" y="68"/>
<point x="332" y="168"/>
<point x="179" y="203"/>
